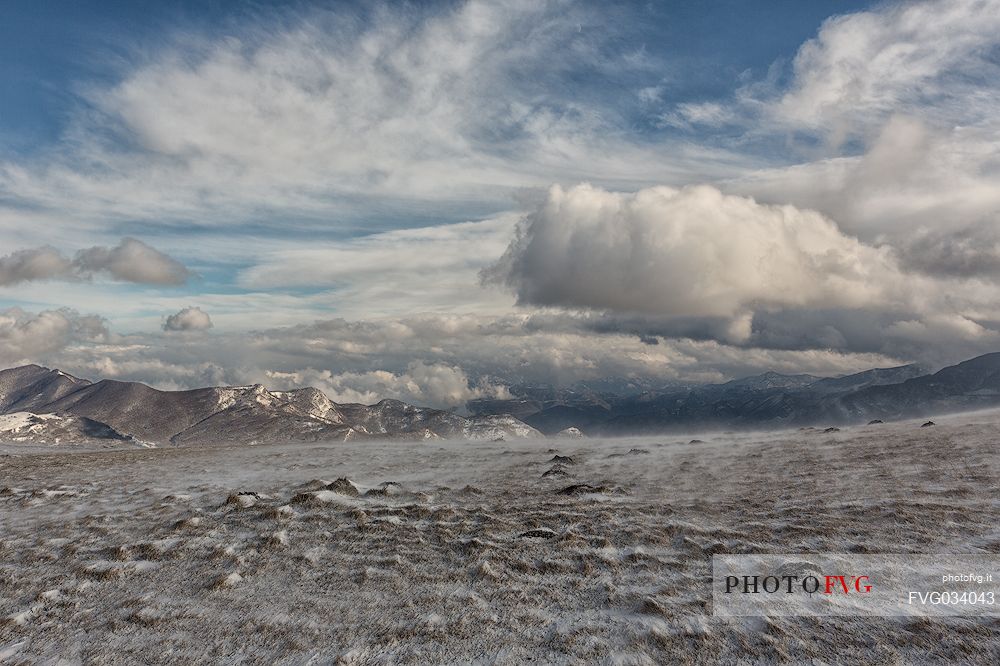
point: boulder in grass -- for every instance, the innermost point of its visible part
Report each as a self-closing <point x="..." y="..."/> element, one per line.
<point x="344" y="486"/>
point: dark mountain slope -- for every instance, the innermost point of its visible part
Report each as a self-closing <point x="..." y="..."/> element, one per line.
<point x="31" y="387"/>
<point x="774" y="400"/>
<point x="139" y="410"/>
<point x="972" y="384"/>
<point x="874" y="377"/>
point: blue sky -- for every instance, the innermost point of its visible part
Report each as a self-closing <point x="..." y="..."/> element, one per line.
<point x="48" y="50"/>
<point x="331" y="191"/>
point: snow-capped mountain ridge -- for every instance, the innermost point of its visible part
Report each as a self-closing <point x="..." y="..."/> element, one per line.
<point x="251" y="414"/>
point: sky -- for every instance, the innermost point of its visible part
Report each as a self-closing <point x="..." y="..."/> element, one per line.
<point x="434" y="201"/>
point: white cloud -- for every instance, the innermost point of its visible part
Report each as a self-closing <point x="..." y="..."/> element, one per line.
<point x="129" y="261"/>
<point x="937" y="56"/>
<point x="132" y="261"/>
<point x="692" y="252"/>
<point x="348" y="126"/>
<point x="690" y="114"/>
<point x="417" y="252"/>
<point x="437" y="384"/>
<point x="666" y="263"/>
<point x="435" y="360"/>
<point x="912" y="180"/>
<point x="27" y="336"/>
<point x="330" y="112"/>
<point x="188" y="319"/>
<point x="43" y="263"/>
<point x="396" y="272"/>
<point x="904" y="102"/>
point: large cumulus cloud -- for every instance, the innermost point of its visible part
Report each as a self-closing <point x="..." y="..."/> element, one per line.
<point x="690" y="252"/>
<point x="695" y="263"/>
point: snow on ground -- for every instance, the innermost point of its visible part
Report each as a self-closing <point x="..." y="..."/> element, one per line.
<point x="20" y="424"/>
<point x="452" y="552"/>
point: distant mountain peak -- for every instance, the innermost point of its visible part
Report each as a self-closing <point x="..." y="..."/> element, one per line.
<point x="125" y="410"/>
<point x="772" y="379"/>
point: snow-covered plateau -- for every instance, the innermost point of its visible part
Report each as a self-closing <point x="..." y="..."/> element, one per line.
<point x="505" y="552"/>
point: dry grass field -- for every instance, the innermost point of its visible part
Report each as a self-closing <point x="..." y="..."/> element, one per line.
<point x="554" y="551"/>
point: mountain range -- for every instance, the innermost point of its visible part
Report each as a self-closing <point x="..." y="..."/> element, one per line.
<point x="43" y="405"/>
<point x="767" y="400"/>
<point x="39" y="404"/>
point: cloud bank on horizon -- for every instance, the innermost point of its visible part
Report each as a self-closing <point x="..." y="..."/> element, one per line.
<point x="433" y="203"/>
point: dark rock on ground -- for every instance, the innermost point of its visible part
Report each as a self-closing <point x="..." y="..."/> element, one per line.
<point x="583" y="489"/>
<point x="243" y="498"/>
<point x="385" y="489"/>
<point x="312" y="485"/>
<point x="344" y="487"/>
